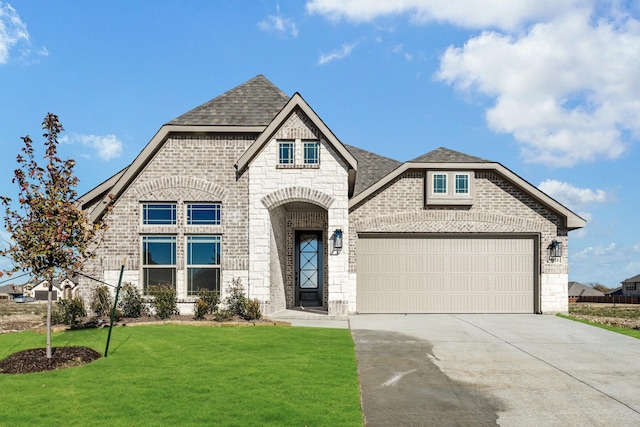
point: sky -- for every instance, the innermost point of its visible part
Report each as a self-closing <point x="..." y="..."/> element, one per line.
<point x="548" y="88"/>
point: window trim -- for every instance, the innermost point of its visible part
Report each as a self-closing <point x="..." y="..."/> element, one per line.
<point x="189" y="213"/>
<point x="188" y="262"/>
<point x="147" y="207"/>
<point x="450" y="196"/>
<point x="314" y="145"/>
<point x="145" y="267"/>
<point x="292" y="158"/>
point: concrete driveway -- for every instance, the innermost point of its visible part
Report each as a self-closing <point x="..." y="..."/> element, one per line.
<point x="484" y="370"/>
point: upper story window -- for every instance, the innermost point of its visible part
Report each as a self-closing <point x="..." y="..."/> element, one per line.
<point x="159" y="213"/>
<point x="203" y="213"/>
<point x="439" y="183"/>
<point x="311" y="153"/>
<point x="286" y="154"/>
<point x="449" y="188"/>
<point x="462" y="183"/>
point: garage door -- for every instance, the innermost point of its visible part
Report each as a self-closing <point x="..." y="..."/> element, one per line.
<point x="44" y="295"/>
<point x="445" y="275"/>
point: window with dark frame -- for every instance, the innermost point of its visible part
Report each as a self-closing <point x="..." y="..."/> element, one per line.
<point x="203" y="213"/>
<point x="159" y="213"/>
<point x="158" y="261"/>
<point x="203" y="264"/>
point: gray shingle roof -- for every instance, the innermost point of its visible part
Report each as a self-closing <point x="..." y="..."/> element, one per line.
<point x="371" y="167"/>
<point x="253" y="103"/>
<point x="444" y="155"/>
<point x="633" y="279"/>
<point x="577" y="289"/>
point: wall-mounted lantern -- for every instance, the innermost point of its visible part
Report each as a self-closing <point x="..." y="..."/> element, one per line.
<point x="337" y="240"/>
<point x="555" y="250"/>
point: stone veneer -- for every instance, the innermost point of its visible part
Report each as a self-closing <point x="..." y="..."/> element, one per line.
<point x="323" y="189"/>
<point x="498" y="207"/>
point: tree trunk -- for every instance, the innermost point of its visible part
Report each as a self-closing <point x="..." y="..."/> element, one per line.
<point x="49" y="296"/>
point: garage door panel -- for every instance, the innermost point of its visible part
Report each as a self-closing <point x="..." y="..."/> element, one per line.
<point x="445" y="275"/>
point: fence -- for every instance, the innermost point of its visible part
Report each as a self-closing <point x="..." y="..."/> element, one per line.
<point x="607" y="299"/>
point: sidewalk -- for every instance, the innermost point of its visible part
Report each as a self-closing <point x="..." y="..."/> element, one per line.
<point x="311" y="318"/>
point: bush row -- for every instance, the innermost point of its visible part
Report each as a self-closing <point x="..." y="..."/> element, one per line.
<point x="163" y="302"/>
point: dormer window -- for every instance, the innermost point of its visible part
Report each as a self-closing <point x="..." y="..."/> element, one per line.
<point x="449" y="188"/>
<point x="286" y="153"/>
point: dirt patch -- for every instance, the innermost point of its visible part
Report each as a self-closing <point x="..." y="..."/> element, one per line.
<point x="610" y="321"/>
<point x="35" y="360"/>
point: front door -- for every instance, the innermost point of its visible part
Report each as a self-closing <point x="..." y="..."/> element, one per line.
<point x="309" y="268"/>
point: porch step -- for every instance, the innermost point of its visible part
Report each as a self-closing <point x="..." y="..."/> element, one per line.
<point x="308" y="314"/>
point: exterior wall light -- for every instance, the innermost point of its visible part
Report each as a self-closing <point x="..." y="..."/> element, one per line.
<point x="555" y="250"/>
<point x="337" y="239"/>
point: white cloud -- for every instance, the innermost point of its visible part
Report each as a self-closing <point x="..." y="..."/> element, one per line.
<point x="464" y="13"/>
<point x="12" y="31"/>
<point x="279" y="24"/>
<point x="572" y="196"/>
<point x="399" y="49"/>
<point x="600" y="252"/>
<point x="341" y="53"/>
<point x="567" y="90"/>
<point x="106" y="146"/>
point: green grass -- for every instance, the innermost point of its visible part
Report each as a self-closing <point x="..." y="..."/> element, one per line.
<point x="163" y="375"/>
<point x="634" y="333"/>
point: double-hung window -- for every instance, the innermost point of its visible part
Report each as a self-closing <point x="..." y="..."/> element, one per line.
<point x="462" y="183"/>
<point x="311" y="153"/>
<point x="439" y="183"/>
<point x="203" y="264"/>
<point x="158" y="261"/>
<point x="203" y="214"/>
<point x="159" y="213"/>
<point x="286" y="154"/>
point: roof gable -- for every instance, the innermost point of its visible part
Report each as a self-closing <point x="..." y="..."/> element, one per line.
<point x="296" y="102"/>
<point x="253" y="103"/>
<point x="444" y="155"/>
<point x="371" y="168"/>
<point x="633" y="279"/>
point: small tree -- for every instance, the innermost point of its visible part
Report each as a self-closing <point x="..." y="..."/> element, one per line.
<point x="51" y="236"/>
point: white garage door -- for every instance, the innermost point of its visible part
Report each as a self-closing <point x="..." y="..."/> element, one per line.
<point x="445" y="275"/>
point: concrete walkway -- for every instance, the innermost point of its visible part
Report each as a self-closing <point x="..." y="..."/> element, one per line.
<point x="484" y="370"/>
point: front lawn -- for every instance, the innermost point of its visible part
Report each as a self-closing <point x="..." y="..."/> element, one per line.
<point x="162" y="375"/>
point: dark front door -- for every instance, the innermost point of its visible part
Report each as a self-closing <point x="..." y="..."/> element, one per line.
<point x="309" y="268"/>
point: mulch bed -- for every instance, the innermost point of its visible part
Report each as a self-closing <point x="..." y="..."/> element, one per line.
<point x="35" y="360"/>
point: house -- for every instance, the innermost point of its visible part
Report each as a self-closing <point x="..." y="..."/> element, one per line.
<point x="10" y="291"/>
<point x="577" y="289"/>
<point x="253" y="185"/>
<point x="62" y="289"/>
<point x="631" y="286"/>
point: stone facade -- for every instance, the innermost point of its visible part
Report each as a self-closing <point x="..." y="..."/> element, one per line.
<point x="313" y="197"/>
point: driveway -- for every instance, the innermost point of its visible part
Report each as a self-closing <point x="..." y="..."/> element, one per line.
<point x="485" y="370"/>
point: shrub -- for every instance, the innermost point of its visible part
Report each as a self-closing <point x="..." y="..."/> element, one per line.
<point x="252" y="311"/>
<point x="238" y="303"/>
<point x="130" y="301"/>
<point x="207" y="303"/>
<point x="164" y="300"/>
<point x="68" y="311"/>
<point x="223" y="315"/>
<point x="101" y="302"/>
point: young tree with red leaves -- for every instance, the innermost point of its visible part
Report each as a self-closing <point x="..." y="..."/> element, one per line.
<point x="51" y="236"/>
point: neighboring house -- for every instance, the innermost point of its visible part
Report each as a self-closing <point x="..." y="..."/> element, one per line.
<point x="62" y="289"/>
<point x="617" y="292"/>
<point x="253" y="185"/>
<point x="577" y="289"/>
<point x="631" y="287"/>
<point x="10" y="291"/>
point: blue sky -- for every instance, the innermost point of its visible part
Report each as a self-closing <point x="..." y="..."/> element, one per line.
<point x="548" y="88"/>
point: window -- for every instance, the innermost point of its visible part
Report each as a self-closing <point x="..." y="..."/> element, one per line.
<point x="203" y="214"/>
<point x="629" y="286"/>
<point x="311" y="155"/>
<point x="462" y="183"/>
<point x="159" y="213"/>
<point x="285" y="150"/>
<point x="449" y="188"/>
<point x="158" y="261"/>
<point x="439" y="183"/>
<point x="203" y="264"/>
